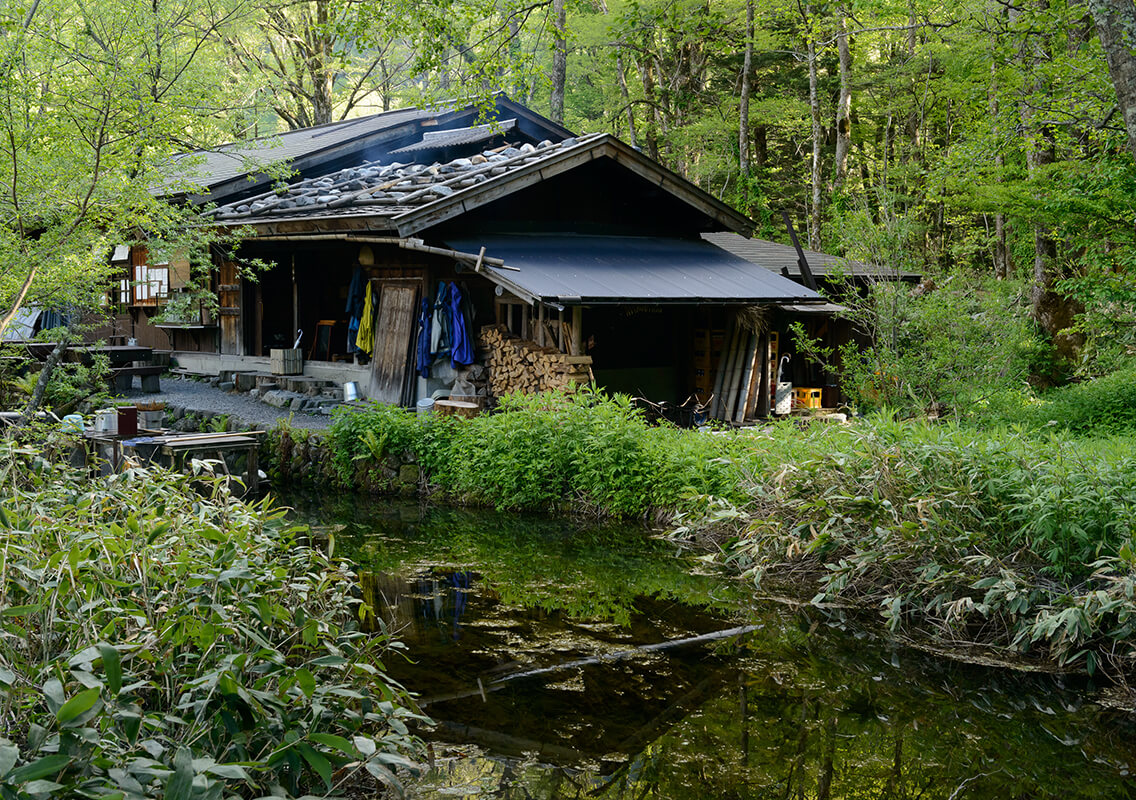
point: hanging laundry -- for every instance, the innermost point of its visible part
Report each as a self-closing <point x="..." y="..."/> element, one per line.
<point x="365" y="341"/>
<point x="462" y="350"/>
<point x="425" y="355"/>
<point x="441" y="338"/>
<point x="355" y="300"/>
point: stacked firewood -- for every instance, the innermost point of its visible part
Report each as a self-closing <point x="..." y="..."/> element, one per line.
<point x="520" y="366"/>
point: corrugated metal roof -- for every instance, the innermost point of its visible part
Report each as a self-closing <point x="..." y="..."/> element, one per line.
<point x="435" y="140"/>
<point x="212" y="167"/>
<point x="570" y="269"/>
<point x="774" y="257"/>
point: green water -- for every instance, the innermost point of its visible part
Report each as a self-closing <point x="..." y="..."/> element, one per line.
<point x="801" y="707"/>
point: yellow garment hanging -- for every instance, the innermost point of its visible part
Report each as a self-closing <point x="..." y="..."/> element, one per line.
<point x="365" y="339"/>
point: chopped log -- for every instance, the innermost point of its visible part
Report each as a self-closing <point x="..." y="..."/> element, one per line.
<point x="456" y="408"/>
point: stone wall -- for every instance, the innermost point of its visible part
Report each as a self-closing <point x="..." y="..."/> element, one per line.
<point x="303" y="458"/>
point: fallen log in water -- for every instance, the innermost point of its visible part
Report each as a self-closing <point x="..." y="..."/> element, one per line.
<point x="624" y="654"/>
<point x="498" y="683"/>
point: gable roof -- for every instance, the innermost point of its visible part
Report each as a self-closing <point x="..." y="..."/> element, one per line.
<point x="782" y="259"/>
<point x="239" y="168"/>
<point x="408" y="198"/>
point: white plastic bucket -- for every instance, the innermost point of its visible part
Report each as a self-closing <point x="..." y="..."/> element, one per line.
<point x="425" y="407"/>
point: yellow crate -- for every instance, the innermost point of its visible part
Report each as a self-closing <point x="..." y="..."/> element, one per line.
<point x="806" y="398"/>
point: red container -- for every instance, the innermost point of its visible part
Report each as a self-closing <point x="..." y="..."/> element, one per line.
<point x="127" y="421"/>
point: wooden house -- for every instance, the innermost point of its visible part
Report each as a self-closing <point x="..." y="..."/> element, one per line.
<point x="575" y="256"/>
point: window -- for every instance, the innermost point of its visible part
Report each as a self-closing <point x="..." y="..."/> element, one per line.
<point x="147" y="284"/>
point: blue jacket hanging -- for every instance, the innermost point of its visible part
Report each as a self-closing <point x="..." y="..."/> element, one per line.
<point x="441" y="340"/>
<point x="425" y="357"/>
<point x="462" y="351"/>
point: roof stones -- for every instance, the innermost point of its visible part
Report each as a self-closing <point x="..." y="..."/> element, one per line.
<point x="397" y="186"/>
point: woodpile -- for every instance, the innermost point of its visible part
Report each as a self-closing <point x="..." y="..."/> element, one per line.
<point x="520" y="366"/>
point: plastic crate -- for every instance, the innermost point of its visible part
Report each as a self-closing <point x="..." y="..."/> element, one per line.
<point x="807" y="397"/>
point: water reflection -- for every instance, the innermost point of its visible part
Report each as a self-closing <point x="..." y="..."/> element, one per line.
<point x="543" y="688"/>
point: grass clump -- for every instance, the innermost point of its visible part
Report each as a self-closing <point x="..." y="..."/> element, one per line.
<point x="158" y="641"/>
<point x="1106" y="405"/>
<point x="1000" y="538"/>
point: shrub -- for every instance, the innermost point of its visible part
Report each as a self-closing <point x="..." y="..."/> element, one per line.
<point x="370" y="433"/>
<point x="1104" y="405"/>
<point x="584" y="450"/>
<point x="158" y="641"/>
<point x="1004" y="536"/>
<point x="959" y="344"/>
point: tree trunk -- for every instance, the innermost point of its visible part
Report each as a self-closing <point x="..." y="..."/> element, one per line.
<point x="1116" y="26"/>
<point x="322" y="67"/>
<point x="743" y="101"/>
<point x="652" y="133"/>
<point x="1001" y="250"/>
<point x="843" y="104"/>
<point x="1051" y="310"/>
<point x="559" y="62"/>
<point x="622" y="73"/>
<point x="44" y="376"/>
<point x="814" y="108"/>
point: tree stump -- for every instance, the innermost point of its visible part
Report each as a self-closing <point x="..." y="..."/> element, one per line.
<point x="456" y="408"/>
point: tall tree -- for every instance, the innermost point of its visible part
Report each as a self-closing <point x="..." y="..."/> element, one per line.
<point x="1116" y="27"/>
<point x="96" y="99"/>
<point x="743" y="100"/>
<point x="559" y="60"/>
<point x="844" y="102"/>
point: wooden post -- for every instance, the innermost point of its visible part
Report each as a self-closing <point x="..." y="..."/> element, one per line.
<point x="747" y="379"/>
<point x="578" y="330"/>
<point x="763" y="386"/>
<point x="295" y="302"/>
<point x="540" y="324"/>
<point x="560" y="332"/>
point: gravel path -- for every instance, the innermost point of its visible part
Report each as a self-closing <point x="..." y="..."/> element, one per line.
<point x="200" y="396"/>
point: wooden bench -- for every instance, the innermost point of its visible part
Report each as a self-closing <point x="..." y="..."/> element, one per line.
<point x="123" y="378"/>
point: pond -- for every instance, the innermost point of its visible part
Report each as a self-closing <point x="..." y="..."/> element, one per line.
<point x="572" y="660"/>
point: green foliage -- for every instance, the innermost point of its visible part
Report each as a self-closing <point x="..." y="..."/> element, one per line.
<point x="960" y="344"/>
<point x="582" y="450"/>
<point x="1005" y="536"/>
<point x="160" y="642"/>
<point x="370" y="434"/>
<point x="73" y="382"/>
<point x="1102" y="406"/>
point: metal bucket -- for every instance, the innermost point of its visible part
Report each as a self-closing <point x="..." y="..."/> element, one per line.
<point x="350" y="391"/>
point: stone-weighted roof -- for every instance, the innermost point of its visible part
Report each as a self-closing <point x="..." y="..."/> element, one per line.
<point x="376" y="189"/>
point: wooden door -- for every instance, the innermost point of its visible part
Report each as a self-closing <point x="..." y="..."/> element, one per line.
<point x="229" y="308"/>
<point x="395" y="327"/>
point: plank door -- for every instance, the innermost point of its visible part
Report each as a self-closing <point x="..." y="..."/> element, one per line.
<point x="229" y="308"/>
<point x="395" y="327"/>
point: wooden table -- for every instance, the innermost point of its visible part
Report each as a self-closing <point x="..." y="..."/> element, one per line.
<point x="117" y="354"/>
<point x="214" y="446"/>
<point x="172" y="450"/>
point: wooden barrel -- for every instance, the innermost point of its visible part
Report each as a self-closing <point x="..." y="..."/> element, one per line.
<point x="455" y="408"/>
